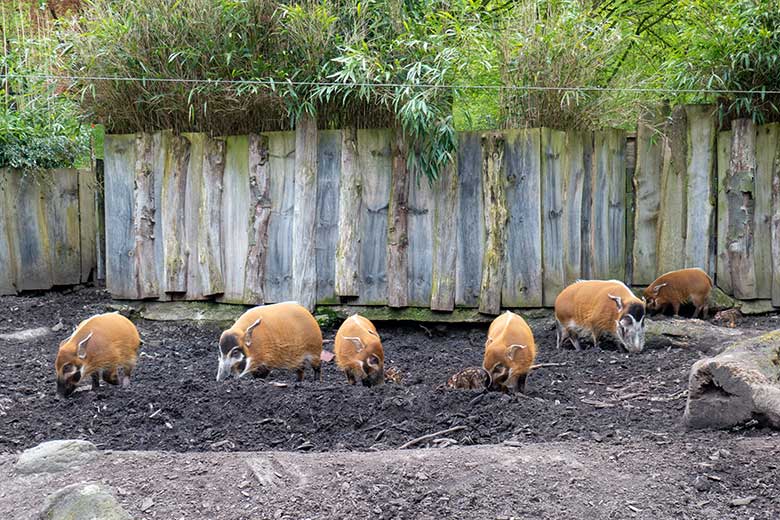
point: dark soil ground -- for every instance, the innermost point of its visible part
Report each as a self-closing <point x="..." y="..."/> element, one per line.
<point x="175" y="404"/>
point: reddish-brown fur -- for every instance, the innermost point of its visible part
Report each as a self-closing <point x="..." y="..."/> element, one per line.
<point x="677" y="287"/>
<point x="587" y="306"/>
<point x="363" y="358"/>
<point x="287" y="337"/>
<point x="510" y="351"/>
<point x="113" y="345"/>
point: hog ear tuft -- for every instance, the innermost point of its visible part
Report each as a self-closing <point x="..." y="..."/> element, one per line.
<point x="618" y="301"/>
<point x="248" y="333"/>
<point x="373" y="361"/>
<point x="512" y="349"/>
<point x="658" y="287"/>
<point x="82" y="350"/>
<point x="357" y="341"/>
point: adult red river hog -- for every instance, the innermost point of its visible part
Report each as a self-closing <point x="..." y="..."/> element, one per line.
<point x="359" y="352"/>
<point x="510" y="351"/>
<point x="598" y="307"/>
<point x="282" y="335"/>
<point x="677" y="287"/>
<point x="104" y="345"/>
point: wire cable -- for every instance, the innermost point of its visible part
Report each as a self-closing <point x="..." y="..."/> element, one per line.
<point x="269" y="83"/>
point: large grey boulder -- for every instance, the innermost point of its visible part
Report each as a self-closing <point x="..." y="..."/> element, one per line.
<point x="739" y="384"/>
<point x="53" y="456"/>
<point x="84" y="501"/>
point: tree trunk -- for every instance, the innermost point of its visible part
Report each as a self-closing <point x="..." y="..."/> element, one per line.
<point x="304" y="259"/>
<point x="397" y="237"/>
<point x="347" y="280"/>
<point x="740" y="187"/>
<point x="494" y="203"/>
<point x="259" y="216"/>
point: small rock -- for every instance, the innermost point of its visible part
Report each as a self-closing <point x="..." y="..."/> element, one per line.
<point x="83" y="501"/>
<point x="421" y="476"/>
<point x="146" y="505"/>
<point x="58" y="327"/>
<point x="741" y="501"/>
<point x="702" y="484"/>
<point x="53" y="456"/>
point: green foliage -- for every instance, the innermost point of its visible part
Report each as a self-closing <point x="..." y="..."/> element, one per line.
<point x="40" y="127"/>
<point x="731" y="46"/>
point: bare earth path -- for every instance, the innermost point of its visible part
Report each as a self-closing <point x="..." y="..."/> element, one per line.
<point x="552" y="480"/>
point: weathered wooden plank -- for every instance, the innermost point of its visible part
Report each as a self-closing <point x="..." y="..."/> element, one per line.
<point x="119" y="163"/>
<point x="608" y="238"/>
<point x="192" y="208"/>
<point x="775" y="229"/>
<point x="630" y="206"/>
<point x="161" y="143"/>
<point x="7" y="246"/>
<point x="700" y="165"/>
<point x="495" y="207"/>
<point x="647" y="189"/>
<point x="347" y="262"/>
<point x="573" y="173"/>
<point x="328" y="171"/>
<point x="245" y="185"/>
<point x="100" y="221"/>
<point x="278" y="280"/>
<point x="420" y="238"/>
<point x="259" y="218"/>
<point x="522" y="168"/>
<point x="29" y="231"/>
<point x="445" y="240"/>
<point x="553" y="275"/>
<point x="471" y="230"/>
<point x="172" y="212"/>
<point x="398" y="224"/>
<point x="60" y="191"/>
<point x="766" y="149"/>
<point x="209" y="248"/>
<point x="672" y="213"/>
<point x="144" y="216"/>
<point x="740" y="194"/>
<point x="87" y="225"/>
<point x="375" y="165"/>
<point x="586" y="219"/>
<point x="723" y="271"/>
<point x="304" y="238"/>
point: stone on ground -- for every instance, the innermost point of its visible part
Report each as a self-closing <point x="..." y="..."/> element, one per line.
<point x="53" y="456"/>
<point x="737" y="385"/>
<point x="84" y="501"/>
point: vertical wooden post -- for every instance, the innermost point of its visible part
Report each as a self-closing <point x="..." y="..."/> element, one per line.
<point x="552" y="215"/>
<point x="60" y="202"/>
<point x="740" y="182"/>
<point x="647" y="191"/>
<point x="775" y="229"/>
<point x="304" y="261"/>
<point x="767" y="137"/>
<point x="445" y="243"/>
<point x="210" y="250"/>
<point x="174" y="189"/>
<point x="144" y="214"/>
<point x="397" y="238"/>
<point x="259" y="216"/>
<point x="347" y="279"/>
<point x="723" y="272"/>
<point x="7" y="249"/>
<point x="700" y="165"/>
<point x="494" y="202"/>
<point x="523" y="254"/>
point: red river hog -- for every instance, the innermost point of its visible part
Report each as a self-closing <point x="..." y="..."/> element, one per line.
<point x="598" y="307"/>
<point x="677" y="287"/>
<point x="105" y="345"/>
<point x="359" y="352"/>
<point x="509" y="353"/>
<point x="282" y="335"/>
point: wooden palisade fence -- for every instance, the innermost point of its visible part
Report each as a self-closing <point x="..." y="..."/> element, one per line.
<point x="334" y="216"/>
<point x="48" y="229"/>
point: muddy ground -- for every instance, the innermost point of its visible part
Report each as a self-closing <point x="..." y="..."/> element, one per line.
<point x="602" y="398"/>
